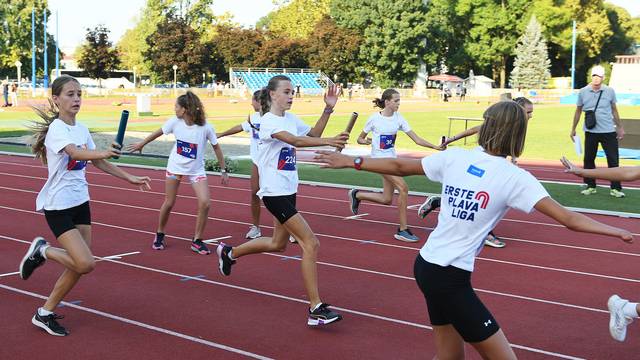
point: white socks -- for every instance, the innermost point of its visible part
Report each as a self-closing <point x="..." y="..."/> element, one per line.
<point x="43" y="312"/>
<point x="630" y="310"/>
<point x="43" y="250"/>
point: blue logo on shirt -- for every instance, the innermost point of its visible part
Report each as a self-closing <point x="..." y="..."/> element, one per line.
<point x="475" y="171"/>
<point x="187" y="149"/>
<point x="387" y="141"/>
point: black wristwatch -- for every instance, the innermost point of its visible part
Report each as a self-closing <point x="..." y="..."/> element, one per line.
<point x="357" y="162"/>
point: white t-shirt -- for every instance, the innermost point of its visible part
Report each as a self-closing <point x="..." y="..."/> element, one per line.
<point x="66" y="184"/>
<point x="277" y="159"/>
<point x="477" y="190"/>
<point x="187" y="154"/>
<point x="253" y="131"/>
<point x="384" y="130"/>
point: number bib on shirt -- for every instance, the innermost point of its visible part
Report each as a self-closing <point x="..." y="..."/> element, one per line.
<point x="387" y="141"/>
<point x="77" y="164"/>
<point x="187" y="149"/>
<point x="287" y="159"/>
<point x="255" y="130"/>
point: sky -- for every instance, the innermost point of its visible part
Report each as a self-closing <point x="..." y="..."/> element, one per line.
<point x="119" y="15"/>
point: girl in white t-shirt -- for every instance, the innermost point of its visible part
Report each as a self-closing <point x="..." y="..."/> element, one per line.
<point x="192" y="132"/>
<point x="280" y="134"/>
<point x="65" y="146"/>
<point x="478" y="187"/>
<point x="622" y="312"/>
<point x="252" y="126"/>
<point x="384" y="126"/>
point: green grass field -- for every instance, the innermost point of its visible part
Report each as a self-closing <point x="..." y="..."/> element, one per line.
<point x="547" y="138"/>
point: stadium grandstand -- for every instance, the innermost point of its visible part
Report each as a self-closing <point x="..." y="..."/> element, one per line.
<point x="312" y="82"/>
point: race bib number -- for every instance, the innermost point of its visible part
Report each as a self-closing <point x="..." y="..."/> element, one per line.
<point x="77" y="164"/>
<point x="287" y="159"/>
<point x="187" y="149"/>
<point x="255" y="130"/>
<point x="387" y="141"/>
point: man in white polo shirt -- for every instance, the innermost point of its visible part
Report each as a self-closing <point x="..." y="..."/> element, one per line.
<point x="607" y="130"/>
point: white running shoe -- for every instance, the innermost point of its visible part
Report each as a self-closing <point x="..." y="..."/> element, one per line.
<point x="254" y="232"/>
<point x="617" y="320"/>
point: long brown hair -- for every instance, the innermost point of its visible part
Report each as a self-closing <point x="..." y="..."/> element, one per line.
<point x="48" y="113"/>
<point x="504" y="129"/>
<point x="193" y="107"/>
<point x="265" y="95"/>
<point x="386" y="95"/>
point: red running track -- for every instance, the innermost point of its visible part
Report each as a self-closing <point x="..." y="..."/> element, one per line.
<point x="547" y="288"/>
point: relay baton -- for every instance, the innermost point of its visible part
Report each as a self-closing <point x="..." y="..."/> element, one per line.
<point x="350" y="124"/>
<point x="121" y="128"/>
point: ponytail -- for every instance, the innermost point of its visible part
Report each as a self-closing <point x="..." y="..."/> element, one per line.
<point x="386" y="95"/>
<point x="193" y="107"/>
<point x="265" y="95"/>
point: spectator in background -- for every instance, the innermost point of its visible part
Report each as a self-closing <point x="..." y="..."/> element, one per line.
<point x="5" y="92"/>
<point x="298" y="90"/>
<point x="13" y="94"/>
<point x="607" y="130"/>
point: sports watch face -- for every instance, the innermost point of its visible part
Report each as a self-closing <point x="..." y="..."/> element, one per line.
<point x="357" y="162"/>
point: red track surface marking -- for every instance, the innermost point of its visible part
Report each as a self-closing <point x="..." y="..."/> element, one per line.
<point x="548" y="295"/>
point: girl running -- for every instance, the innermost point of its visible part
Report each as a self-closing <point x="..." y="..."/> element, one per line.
<point x="252" y="125"/>
<point x="621" y="311"/>
<point x="478" y="187"/>
<point x="385" y="125"/>
<point x="186" y="160"/>
<point x="281" y="133"/>
<point x="433" y="202"/>
<point x="65" y="146"/>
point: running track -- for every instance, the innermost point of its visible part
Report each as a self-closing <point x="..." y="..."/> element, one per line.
<point x="547" y="288"/>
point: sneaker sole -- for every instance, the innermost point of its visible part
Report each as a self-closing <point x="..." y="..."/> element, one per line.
<point x="44" y="327"/>
<point x="351" y="200"/>
<point x="422" y="212"/>
<point x="402" y="238"/>
<point x="320" y="322"/>
<point x="253" y="237"/>
<point x="220" y="262"/>
<point x="34" y="243"/>
<point x="200" y="252"/>
<point x="612" y="317"/>
<point x="494" y="245"/>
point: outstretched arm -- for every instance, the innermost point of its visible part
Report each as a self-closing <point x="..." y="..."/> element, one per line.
<point x="337" y="141"/>
<point x="579" y="222"/>
<point x="398" y="167"/>
<point x="420" y="141"/>
<point x="234" y="130"/>
<point x="626" y="173"/>
<point x="330" y="100"/>
<point x="464" y="134"/>
<point x="138" y="146"/>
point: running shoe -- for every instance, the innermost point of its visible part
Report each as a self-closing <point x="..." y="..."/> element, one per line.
<point x="353" y="199"/>
<point x="589" y="191"/>
<point x="494" y="241"/>
<point x="322" y="315"/>
<point x="254" y="232"/>
<point x="200" y="247"/>
<point x="616" y="193"/>
<point x="49" y="324"/>
<point x="432" y="203"/>
<point x="224" y="261"/>
<point x="406" y="235"/>
<point x="617" y="320"/>
<point x="33" y="258"/>
<point x="158" y="242"/>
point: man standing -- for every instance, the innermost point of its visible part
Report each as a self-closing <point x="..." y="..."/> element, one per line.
<point x="5" y="92"/>
<point x="601" y="100"/>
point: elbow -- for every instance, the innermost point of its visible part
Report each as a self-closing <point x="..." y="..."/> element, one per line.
<point x="573" y="222"/>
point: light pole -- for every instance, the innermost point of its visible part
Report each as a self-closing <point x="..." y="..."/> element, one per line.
<point x="19" y="67"/>
<point x="175" y="67"/>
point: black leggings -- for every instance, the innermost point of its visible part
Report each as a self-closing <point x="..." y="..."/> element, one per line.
<point x="609" y="142"/>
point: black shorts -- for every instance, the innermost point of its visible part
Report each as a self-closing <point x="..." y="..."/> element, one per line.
<point x="451" y="300"/>
<point x="61" y="221"/>
<point x="282" y="207"/>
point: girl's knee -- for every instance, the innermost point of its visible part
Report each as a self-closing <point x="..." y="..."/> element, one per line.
<point x="387" y="200"/>
<point x="86" y="266"/>
<point x="204" y="205"/>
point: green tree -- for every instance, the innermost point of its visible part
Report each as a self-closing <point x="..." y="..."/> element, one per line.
<point x="234" y="47"/>
<point x="97" y="55"/>
<point x="334" y="50"/>
<point x="298" y="18"/>
<point x="176" y="43"/>
<point x="15" y="37"/>
<point x="531" y="66"/>
<point x="282" y="53"/>
<point x="495" y="26"/>
<point x="393" y="36"/>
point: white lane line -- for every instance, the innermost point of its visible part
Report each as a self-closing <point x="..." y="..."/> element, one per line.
<point x="216" y="240"/>
<point x="353" y="217"/>
<point x="9" y="274"/>
<point x="120" y="256"/>
<point x="347" y="239"/>
<point x="304" y="301"/>
<point x="143" y="325"/>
